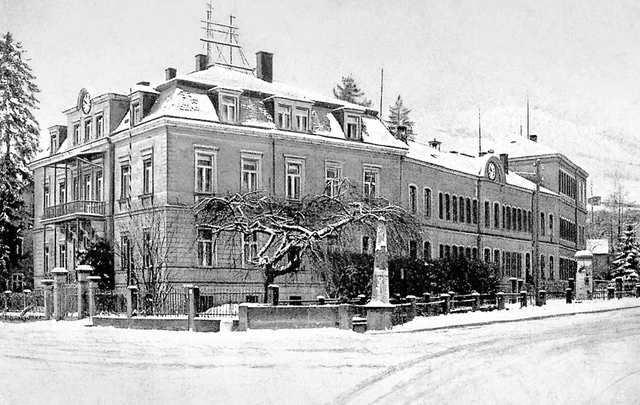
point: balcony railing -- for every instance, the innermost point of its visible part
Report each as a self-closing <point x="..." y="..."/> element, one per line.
<point x="93" y="208"/>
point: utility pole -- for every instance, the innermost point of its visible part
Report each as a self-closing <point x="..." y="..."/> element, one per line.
<point x="536" y="235"/>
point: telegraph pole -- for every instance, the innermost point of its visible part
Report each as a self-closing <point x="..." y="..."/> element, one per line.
<point x="535" y="262"/>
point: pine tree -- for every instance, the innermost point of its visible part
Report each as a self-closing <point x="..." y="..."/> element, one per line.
<point x="399" y="115"/>
<point x="18" y="141"/>
<point x="349" y="91"/>
<point x="628" y="259"/>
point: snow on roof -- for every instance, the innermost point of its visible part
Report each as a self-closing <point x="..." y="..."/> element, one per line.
<point x="521" y="147"/>
<point x="374" y="132"/>
<point x="598" y="246"/>
<point x="179" y="102"/>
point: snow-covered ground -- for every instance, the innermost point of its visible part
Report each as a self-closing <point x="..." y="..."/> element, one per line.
<point x="587" y="358"/>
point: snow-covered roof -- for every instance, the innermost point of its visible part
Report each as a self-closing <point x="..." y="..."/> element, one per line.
<point x="521" y="147"/>
<point x="598" y="246"/>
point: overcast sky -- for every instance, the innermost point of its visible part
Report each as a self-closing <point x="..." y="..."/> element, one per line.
<point x="578" y="61"/>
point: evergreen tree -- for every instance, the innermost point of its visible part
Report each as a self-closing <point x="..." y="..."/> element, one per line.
<point x="18" y="142"/>
<point x="628" y="259"/>
<point x="399" y="115"/>
<point x="349" y="91"/>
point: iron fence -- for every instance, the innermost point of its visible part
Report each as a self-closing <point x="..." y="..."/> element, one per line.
<point x="24" y="302"/>
<point x="108" y="302"/>
<point x="216" y="302"/>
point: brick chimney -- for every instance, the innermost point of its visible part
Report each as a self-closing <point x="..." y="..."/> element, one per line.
<point x="170" y="73"/>
<point x="264" y="66"/>
<point x="533" y="138"/>
<point x="435" y="144"/>
<point x="201" y="62"/>
<point x="401" y="133"/>
<point x="505" y="162"/>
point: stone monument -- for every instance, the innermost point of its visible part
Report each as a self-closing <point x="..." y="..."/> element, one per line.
<point x="379" y="311"/>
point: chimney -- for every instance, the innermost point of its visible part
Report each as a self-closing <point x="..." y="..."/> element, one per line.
<point x="505" y="162"/>
<point x="264" y="66"/>
<point x="435" y="144"/>
<point x="170" y="73"/>
<point x="401" y="133"/>
<point x="533" y="138"/>
<point x="201" y="62"/>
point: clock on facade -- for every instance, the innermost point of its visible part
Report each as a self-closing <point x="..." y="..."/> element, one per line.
<point x="492" y="171"/>
<point x="86" y="103"/>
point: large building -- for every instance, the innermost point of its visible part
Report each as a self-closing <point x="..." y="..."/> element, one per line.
<point x="129" y="167"/>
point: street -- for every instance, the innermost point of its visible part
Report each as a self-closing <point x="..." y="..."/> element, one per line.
<point x="585" y="358"/>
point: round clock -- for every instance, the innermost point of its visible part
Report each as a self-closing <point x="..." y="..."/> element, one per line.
<point x="86" y="103"/>
<point x="492" y="171"/>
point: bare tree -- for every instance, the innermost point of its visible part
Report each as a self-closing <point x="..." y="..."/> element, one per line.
<point x="148" y="250"/>
<point x="284" y="230"/>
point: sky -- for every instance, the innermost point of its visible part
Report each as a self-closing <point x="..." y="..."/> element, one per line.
<point x="576" y="61"/>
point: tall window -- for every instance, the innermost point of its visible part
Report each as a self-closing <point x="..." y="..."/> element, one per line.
<point x="205" y="181"/>
<point x="365" y="244"/>
<point x="87" y="130"/>
<point x="47" y="196"/>
<point x="62" y="254"/>
<point x="99" y="126"/>
<point x="250" y="172"/>
<point x="461" y="203"/>
<point x="76" y="133"/>
<point x="454" y="206"/>
<point x="475" y="211"/>
<point x="370" y="182"/>
<point x="519" y="219"/>
<point x="54" y="142"/>
<point x="147" y="176"/>
<point x="413" y="199"/>
<point x="302" y="119"/>
<point x="427" y="203"/>
<point x="413" y="249"/>
<point x="125" y="257"/>
<point x="352" y="127"/>
<point x="125" y="181"/>
<point x="551" y="269"/>
<point x="147" y="249"/>
<point x="542" y="267"/>
<point x="551" y="225"/>
<point x="496" y="215"/>
<point x="17" y="282"/>
<point x="284" y="116"/>
<point x="229" y="109"/>
<point x="487" y="214"/>
<point x="206" y="250"/>
<point x="294" y="180"/>
<point x="250" y="248"/>
<point x="46" y="260"/>
<point x="440" y="206"/>
<point x="543" y="228"/>
<point x="136" y="116"/>
<point x="62" y="192"/>
<point x="333" y="174"/>
<point x="469" y="211"/>
<point x="487" y="255"/>
<point x="447" y="206"/>
<point x="426" y="250"/>
<point x="99" y="186"/>
<point x="87" y="189"/>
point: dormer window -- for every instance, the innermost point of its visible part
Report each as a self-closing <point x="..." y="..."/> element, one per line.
<point x="229" y="109"/>
<point x="136" y="114"/>
<point x="283" y="114"/>
<point x="302" y="119"/>
<point x="54" y="142"/>
<point x="352" y="127"/>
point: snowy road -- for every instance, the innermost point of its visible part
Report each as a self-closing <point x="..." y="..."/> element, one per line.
<point x="586" y="359"/>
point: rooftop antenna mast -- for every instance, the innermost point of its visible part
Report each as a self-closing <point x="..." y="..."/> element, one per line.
<point x="479" y="134"/>
<point x="225" y="38"/>
<point x="528" y="137"/>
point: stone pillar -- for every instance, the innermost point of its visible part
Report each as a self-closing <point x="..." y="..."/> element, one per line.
<point x="243" y="317"/>
<point x="273" y="294"/>
<point x="611" y="292"/>
<point x="59" y="304"/>
<point x="619" y="287"/>
<point x="93" y="287"/>
<point x="83" y="271"/>
<point x="514" y="289"/>
<point x="132" y="300"/>
<point x="500" y="300"/>
<point x="476" y="301"/>
<point x="320" y="299"/>
<point x="345" y="317"/>
<point x="426" y="297"/>
<point x="412" y="309"/>
<point x="379" y="311"/>
<point x="584" y="276"/>
<point x="569" y="293"/>
<point x="446" y="303"/>
<point x="542" y="297"/>
<point x="193" y="293"/>
<point x="523" y="299"/>
<point x="48" y="298"/>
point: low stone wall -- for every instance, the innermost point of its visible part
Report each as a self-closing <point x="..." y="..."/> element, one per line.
<point x="159" y="323"/>
<point x="256" y="316"/>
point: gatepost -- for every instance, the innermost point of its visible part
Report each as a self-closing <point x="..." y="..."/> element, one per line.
<point x="500" y="300"/>
<point x="48" y="298"/>
<point x="132" y="300"/>
<point x="273" y="294"/>
<point x="514" y="289"/>
<point x="193" y="294"/>
<point x="379" y="310"/>
<point x="542" y="294"/>
<point x="446" y="303"/>
<point x="93" y="287"/>
<point x="59" y="304"/>
<point x="523" y="298"/>
<point x="476" y="301"/>
<point x="619" y="287"/>
<point x="83" y="271"/>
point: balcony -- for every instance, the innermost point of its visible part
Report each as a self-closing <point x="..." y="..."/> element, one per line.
<point x="74" y="209"/>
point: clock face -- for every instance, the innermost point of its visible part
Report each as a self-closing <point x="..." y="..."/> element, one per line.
<point x="492" y="171"/>
<point x="86" y="103"/>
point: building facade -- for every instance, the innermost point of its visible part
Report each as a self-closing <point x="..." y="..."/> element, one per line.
<point x="130" y="167"/>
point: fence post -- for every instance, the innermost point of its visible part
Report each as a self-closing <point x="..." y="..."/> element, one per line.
<point x="83" y="271"/>
<point x="452" y="302"/>
<point x="48" y="298"/>
<point x="412" y="309"/>
<point x="500" y="299"/>
<point x="362" y="299"/>
<point x="476" y="301"/>
<point x="426" y="297"/>
<point x="132" y="300"/>
<point x="610" y="292"/>
<point x="320" y="299"/>
<point x="6" y="300"/>
<point x="59" y="305"/>
<point x="619" y="287"/>
<point x="523" y="299"/>
<point x="543" y="297"/>
<point x="273" y="294"/>
<point x="637" y="290"/>
<point x="93" y="286"/>
<point x="191" y="305"/>
<point x="24" y="298"/>
<point x="569" y="293"/>
<point x="445" y="304"/>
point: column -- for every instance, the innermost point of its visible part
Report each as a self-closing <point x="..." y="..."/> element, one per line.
<point x="48" y="298"/>
<point x="93" y="288"/>
<point x="83" y="272"/>
<point x="379" y="311"/>
<point x="59" y="304"/>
